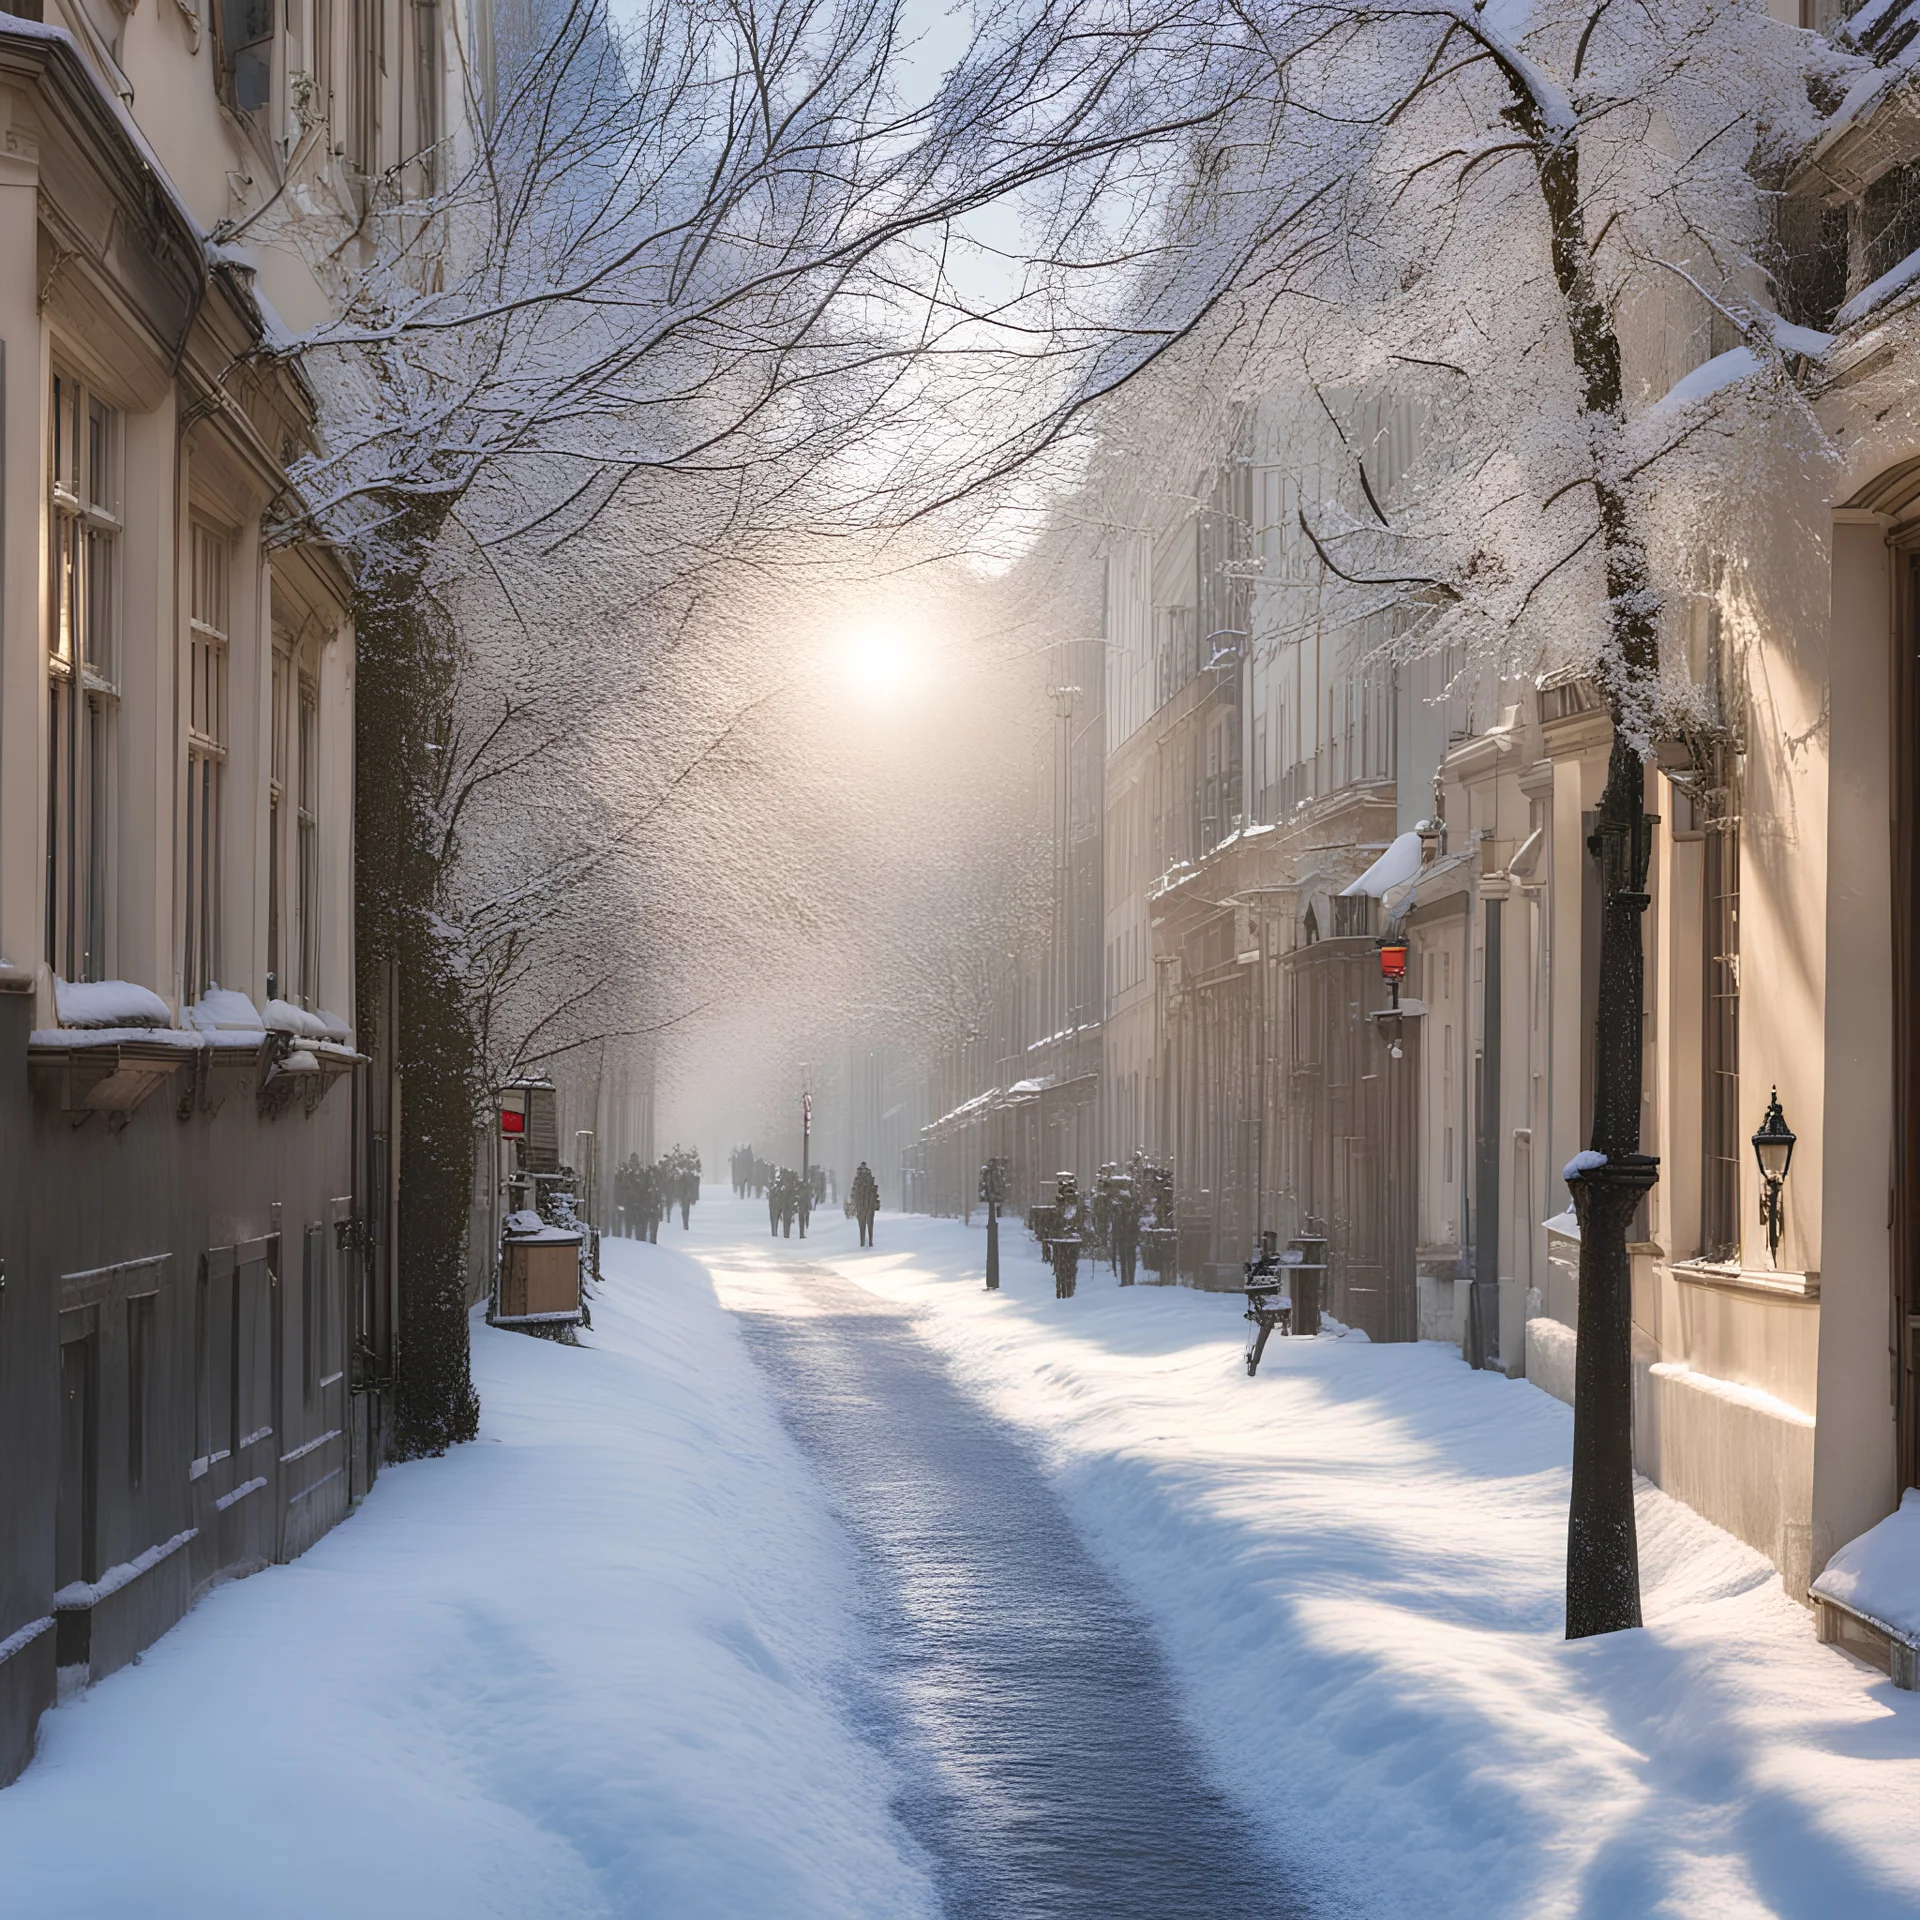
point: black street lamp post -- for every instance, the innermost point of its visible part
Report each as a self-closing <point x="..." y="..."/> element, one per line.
<point x="1773" y="1148"/>
<point x="993" y="1190"/>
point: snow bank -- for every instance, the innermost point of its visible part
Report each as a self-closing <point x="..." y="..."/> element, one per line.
<point x="1879" y="1574"/>
<point x="587" y="1666"/>
<point x="1551" y="1350"/>
<point x="1355" y="1563"/>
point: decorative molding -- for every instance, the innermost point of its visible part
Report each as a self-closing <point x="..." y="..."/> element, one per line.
<point x="1766" y="1282"/>
<point x="125" y="1280"/>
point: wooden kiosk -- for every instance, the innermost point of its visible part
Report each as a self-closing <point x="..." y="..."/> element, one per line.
<point x="539" y="1273"/>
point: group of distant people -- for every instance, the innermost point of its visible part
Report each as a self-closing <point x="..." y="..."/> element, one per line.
<point x="792" y="1196"/>
<point x="1127" y="1219"/>
<point x="644" y="1194"/>
<point x="754" y="1177"/>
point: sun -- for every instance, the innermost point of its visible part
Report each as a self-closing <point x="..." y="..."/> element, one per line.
<point x="883" y="661"/>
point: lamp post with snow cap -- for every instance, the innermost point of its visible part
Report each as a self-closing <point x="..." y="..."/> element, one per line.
<point x="993" y="1190"/>
<point x="806" y="1152"/>
<point x="1608" y="1182"/>
<point x="1773" y="1144"/>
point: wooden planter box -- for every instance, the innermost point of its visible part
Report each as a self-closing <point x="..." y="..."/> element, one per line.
<point x="540" y="1277"/>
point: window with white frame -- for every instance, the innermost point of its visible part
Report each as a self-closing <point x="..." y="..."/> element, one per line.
<point x="82" y="674"/>
<point x="283" y="681"/>
<point x="207" y="631"/>
<point x="309" y="842"/>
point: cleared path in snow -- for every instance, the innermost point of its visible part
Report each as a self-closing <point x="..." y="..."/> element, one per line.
<point x="1049" y="1773"/>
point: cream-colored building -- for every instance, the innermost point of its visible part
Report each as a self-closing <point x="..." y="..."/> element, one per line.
<point x="1280" y="796"/>
<point x="193" y="1343"/>
<point x="1777" y="1389"/>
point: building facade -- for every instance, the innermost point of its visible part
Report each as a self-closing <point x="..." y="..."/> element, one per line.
<point x="1282" y="793"/>
<point x="195" y="1323"/>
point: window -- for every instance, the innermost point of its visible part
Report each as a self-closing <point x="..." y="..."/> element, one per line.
<point x="216" y="1400"/>
<point x="252" y="1403"/>
<point x="313" y="1301"/>
<point x="366" y="65"/>
<point x="246" y="52"/>
<point x="309" y="850"/>
<point x="140" y="1311"/>
<point x="1720" y="1053"/>
<point x="1890" y="220"/>
<point x="276" y="824"/>
<point x="82" y="676"/>
<point x="206" y="755"/>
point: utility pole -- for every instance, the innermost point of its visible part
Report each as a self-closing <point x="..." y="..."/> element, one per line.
<point x="806" y="1152"/>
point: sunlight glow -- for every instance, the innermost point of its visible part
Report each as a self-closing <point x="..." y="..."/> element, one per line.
<point x="884" y="661"/>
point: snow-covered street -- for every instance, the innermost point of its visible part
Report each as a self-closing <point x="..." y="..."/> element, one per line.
<point x="1048" y="1772"/>
<point x="1354" y="1565"/>
<point x="648" y="1648"/>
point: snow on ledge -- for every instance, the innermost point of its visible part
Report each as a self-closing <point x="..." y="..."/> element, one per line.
<point x="1755" y="1399"/>
<point x="1877" y="293"/>
<point x="23" y="1637"/>
<point x="223" y="1010"/>
<point x="77" y="1037"/>
<point x="282" y="1016"/>
<point x="108" y="1003"/>
<point x="89" y="1593"/>
<point x="1878" y="1575"/>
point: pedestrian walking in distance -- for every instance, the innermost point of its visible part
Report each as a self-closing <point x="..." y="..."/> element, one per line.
<point x="865" y="1196"/>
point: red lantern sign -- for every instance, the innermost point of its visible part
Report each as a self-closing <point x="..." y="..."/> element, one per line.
<point x="1393" y="960"/>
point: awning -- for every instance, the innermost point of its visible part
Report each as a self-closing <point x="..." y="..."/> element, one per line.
<point x="1394" y="868"/>
<point x="1453" y="874"/>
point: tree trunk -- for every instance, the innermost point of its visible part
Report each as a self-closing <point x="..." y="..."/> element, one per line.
<point x="404" y="667"/>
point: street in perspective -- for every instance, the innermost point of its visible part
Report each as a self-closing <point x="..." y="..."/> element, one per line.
<point x="960" y="962"/>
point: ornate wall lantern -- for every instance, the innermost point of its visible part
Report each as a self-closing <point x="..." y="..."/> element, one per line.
<point x="1773" y="1149"/>
<point x="1393" y="970"/>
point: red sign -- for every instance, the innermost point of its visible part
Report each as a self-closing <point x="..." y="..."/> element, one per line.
<point x="511" y="1121"/>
